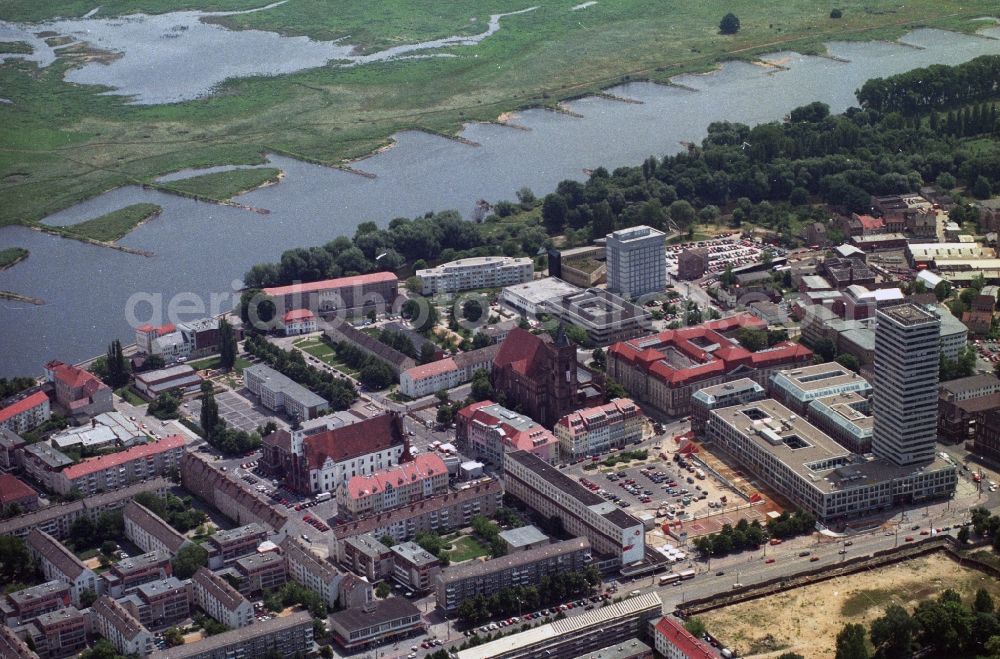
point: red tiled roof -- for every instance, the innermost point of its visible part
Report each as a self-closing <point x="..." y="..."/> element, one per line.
<point x="298" y="314"/>
<point x="869" y="222"/>
<point x="350" y="441"/>
<point x="682" y="639"/>
<point x="519" y="350"/>
<point x="102" y="462"/>
<point x="432" y="369"/>
<point x="72" y="376"/>
<point x="342" y="282"/>
<point x="12" y="490"/>
<point x="23" y="405"/>
<point x="159" y="331"/>
<point x="423" y="466"/>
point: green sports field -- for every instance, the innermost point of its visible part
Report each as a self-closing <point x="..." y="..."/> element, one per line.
<point x="61" y="143"/>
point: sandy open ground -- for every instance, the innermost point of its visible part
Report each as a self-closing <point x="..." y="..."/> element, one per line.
<point x="806" y="620"/>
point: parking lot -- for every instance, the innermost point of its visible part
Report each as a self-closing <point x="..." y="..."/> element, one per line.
<point x="238" y="409"/>
<point x="730" y="251"/>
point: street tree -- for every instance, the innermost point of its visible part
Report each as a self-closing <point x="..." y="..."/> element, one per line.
<point x="227" y="345"/>
<point x="851" y="642"/>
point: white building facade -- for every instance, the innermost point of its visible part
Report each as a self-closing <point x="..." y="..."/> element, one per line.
<point x="473" y="273"/>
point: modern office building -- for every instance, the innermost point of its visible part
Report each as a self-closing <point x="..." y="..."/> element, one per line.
<point x="815" y="473"/>
<point x="907" y="355"/>
<point x="477" y="272"/>
<point x="367" y="556"/>
<point x="596" y="430"/>
<point x="796" y="388"/>
<point x="548" y="491"/>
<point x="726" y="394"/>
<point x="377" y="622"/>
<point x="260" y="572"/>
<point x="529" y="298"/>
<point x="575" y="636"/>
<point x="637" y="262"/>
<point x="524" y="568"/>
<point x="847" y="418"/>
<point x="604" y="316"/>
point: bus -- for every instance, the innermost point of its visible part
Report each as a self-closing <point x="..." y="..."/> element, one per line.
<point x="669" y="578"/>
<point x="687" y="574"/>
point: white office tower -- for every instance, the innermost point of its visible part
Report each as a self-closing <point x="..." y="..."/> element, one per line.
<point x="907" y="355"/>
<point x="636" y="261"/>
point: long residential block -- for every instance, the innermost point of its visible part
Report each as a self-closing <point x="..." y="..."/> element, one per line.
<point x="286" y="636"/>
<point x="115" y="470"/>
<point x="477" y="272"/>
<point x="220" y="600"/>
<point x="60" y="564"/>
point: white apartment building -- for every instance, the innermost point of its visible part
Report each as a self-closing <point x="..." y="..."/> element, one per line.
<point x="278" y="392"/>
<point x="26" y="412"/>
<point x="446" y="373"/>
<point x="220" y="600"/>
<point x="473" y="273"/>
<point x="60" y="564"/>
<point x="317" y="575"/>
<point x="149" y="531"/>
<point x="637" y="261"/>
<point x="907" y="348"/>
<point x="121" y="628"/>
<point x="596" y="430"/>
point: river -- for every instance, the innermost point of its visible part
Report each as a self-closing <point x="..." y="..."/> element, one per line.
<point x="201" y="249"/>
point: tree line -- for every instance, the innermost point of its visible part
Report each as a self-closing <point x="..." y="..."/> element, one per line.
<point x="509" y="601"/>
<point x="339" y="392"/>
<point x="373" y="372"/>
<point x="751" y="535"/>
<point x="922" y="90"/>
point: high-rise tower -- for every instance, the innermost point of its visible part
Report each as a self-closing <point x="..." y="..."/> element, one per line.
<point x="907" y="355"/>
<point x="637" y="262"/>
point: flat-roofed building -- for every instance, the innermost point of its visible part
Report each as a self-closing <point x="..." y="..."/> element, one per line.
<point x="367" y="556"/>
<point x="414" y="567"/>
<point x="907" y="353"/>
<point x="726" y="394"/>
<point x="161" y="603"/>
<point x="665" y="369"/>
<point x="440" y="514"/>
<point x="847" y="417"/>
<point x="225" y="547"/>
<point x="22" y="606"/>
<point x="114" y="622"/>
<point x="813" y="471"/>
<point x="220" y="600"/>
<point x="44" y="464"/>
<point x="10" y="454"/>
<point x="129" y="573"/>
<point x="344" y="294"/>
<point x="288" y="636"/>
<point x="523" y="568"/>
<point x="575" y="636"/>
<point x="149" y="531"/>
<point x="109" y="472"/>
<point x="797" y="388"/>
<point x="550" y="492"/>
<point x="260" y="572"/>
<point x="631" y="648"/>
<point x="604" y="316"/>
<point x="523" y="538"/>
<point x="60" y="633"/>
<point x="423" y="476"/>
<point x="378" y="622"/>
<point x="488" y="431"/>
<point x="182" y="378"/>
<point x="25" y="411"/>
<point x="60" y="564"/>
<point x="692" y="263"/>
<point x="596" y="430"/>
<point x="278" y="392"/>
<point x="637" y="261"/>
<point x="529" y="298"/>
<point x="476" y="272"/>
<point x="111" y="429"/>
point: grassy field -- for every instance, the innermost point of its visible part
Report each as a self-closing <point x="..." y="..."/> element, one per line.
<point x="213" y="362"/>
<point x="15" y="48"/>
<point x="323" y="352"/>
<point x="222" y="186"/>
<point x="466" y="548"/>
<point x="130" y="396"/>
<point x="62" y="143"/>
<point x="11" y="256"/>
<point x="112" y="226"/>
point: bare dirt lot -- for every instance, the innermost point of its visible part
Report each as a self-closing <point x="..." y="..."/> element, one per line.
<point x="812" y="616"/>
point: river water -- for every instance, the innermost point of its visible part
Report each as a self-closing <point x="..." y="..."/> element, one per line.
<point x="201" y="249"/>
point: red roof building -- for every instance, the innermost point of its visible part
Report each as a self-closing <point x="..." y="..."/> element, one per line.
<point x="488" y="431"/>
<point x="115" y="470"/>
<point x="26" y="412"/>
<point x="424" y="476"/>
<point x="14" y="491"/>
<point x="664" y="369"/>
<point x="671" y="640"/>
<point x="78" y="391"/>
<point x="298" y="321"/>
<point x="377" y="289"/>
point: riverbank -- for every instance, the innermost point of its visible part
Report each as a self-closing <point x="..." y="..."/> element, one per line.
<point x="332" y="115"/>
<point x="12" y="256"/>
<point x="110" y="227"/>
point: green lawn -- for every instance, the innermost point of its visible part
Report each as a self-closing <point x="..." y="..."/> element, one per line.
<point x="130" y="396"/>
<point x="112" y="226"/>
<point x="62" y="143"/>
<point x="222" y="186"/>
<point x="323" y="352"/>
<point x="12" y="255"/>
<point x="466" y="548"/>
<point x="213" y="362"/>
